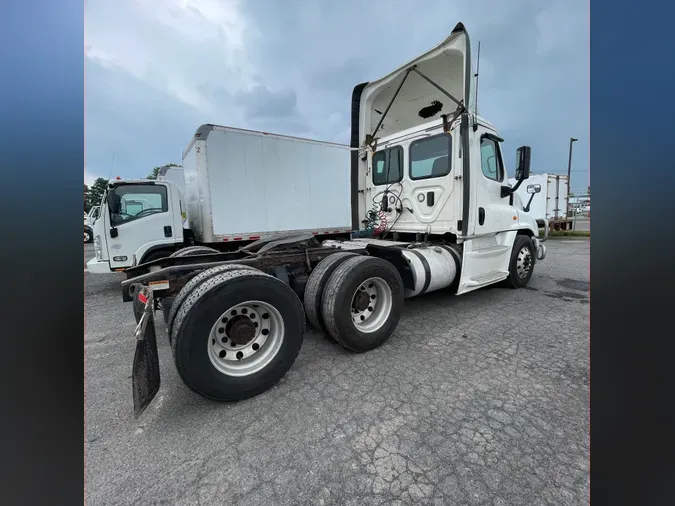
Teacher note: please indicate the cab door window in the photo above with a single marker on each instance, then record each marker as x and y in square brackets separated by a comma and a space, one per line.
[138, 201]
[388, 166]
[491, 160]
[430, 157]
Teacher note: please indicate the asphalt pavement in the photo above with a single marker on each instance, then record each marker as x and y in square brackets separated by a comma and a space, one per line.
[88, 253]
[476, 399]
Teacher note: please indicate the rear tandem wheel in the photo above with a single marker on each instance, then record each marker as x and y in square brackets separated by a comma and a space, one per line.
[362, 303]
[237, 334]
[315, 287]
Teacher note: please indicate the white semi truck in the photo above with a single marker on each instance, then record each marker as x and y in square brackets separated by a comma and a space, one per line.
[430, 206]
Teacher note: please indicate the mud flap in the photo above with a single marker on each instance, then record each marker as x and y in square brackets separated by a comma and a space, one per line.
[145, 373]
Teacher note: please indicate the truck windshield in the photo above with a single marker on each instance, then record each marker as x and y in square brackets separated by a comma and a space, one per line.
[138, 201]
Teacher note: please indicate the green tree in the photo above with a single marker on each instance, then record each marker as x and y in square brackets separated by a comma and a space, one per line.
[86, 199]
[155, 171]
[96, 191]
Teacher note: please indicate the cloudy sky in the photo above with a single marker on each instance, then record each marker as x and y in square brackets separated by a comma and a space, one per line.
[157, 69]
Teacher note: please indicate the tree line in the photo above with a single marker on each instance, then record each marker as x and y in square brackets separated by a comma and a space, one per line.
[94, 193]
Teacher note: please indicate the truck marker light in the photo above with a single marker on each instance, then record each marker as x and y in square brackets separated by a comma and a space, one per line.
[515, 218]
[142, 298]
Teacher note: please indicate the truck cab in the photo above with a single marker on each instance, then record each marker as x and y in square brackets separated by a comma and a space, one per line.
[431, 169]
[140, 220]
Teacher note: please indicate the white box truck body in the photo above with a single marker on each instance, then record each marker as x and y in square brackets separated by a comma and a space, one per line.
[241, 184]
[551, 202]
[235, 186]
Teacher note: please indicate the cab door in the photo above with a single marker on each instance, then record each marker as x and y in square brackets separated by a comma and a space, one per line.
[487, 249]
[492, 213]
[144, 219]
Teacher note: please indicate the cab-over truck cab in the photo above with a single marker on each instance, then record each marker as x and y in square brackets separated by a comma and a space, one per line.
[140, 220]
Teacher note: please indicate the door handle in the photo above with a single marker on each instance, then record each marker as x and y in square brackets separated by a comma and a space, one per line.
[430, 199]
[167, 231]
[481, 216]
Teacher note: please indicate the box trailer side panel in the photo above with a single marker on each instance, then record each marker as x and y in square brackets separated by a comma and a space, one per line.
[557, 197]
[539, 202]
[261, 183]
[563, 196]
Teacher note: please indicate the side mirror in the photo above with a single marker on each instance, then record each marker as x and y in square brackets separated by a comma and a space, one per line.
[532, 189]
[523, 154]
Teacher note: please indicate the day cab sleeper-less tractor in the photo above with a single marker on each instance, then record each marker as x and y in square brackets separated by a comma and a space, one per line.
[431, 209]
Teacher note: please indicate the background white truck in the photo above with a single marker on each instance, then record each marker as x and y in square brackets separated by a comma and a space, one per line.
[551, 203]
[430, 205]
[89, 219]
[236, 186]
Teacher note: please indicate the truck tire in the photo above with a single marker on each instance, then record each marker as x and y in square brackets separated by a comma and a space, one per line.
[315, 286]
[522, 261]
[88, 235]
[237, 334]
[362, 303]
[193, 250]
[194, 283]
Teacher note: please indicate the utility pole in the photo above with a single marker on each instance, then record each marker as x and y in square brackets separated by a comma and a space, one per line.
[569, 166]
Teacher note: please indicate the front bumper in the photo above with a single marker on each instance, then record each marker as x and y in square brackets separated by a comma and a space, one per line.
[98, 266]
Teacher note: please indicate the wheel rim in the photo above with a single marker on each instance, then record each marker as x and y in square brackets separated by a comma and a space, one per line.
[246, 338]
[86, 236]
[371, 305]
[524, 262]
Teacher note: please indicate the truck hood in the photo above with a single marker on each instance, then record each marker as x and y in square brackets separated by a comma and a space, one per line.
[448, 65]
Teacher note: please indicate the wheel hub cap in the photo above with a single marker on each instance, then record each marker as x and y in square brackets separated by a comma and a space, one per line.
[524, 262]
[240, 330]
[246, 338]
[371, 305]
[361, 300]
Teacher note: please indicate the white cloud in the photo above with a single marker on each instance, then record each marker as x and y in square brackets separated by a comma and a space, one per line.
[173, 45]
[157, 69]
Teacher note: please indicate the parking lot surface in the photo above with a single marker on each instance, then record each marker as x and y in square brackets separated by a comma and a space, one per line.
[476, 399]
